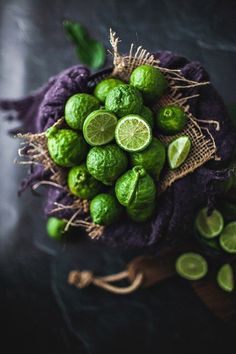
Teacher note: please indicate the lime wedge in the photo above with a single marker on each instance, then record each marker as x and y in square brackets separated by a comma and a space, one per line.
[225, 278]
[99, 127]
[191, 266]
[209, 226]
[228, 238]
[133, 133]
[178, 151]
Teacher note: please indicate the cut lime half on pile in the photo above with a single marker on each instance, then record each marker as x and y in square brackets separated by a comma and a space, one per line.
[133, 133]
[99, 127]
[178, 151]
[209, 226]
[228, 238]
[225, 278]
[191, 266]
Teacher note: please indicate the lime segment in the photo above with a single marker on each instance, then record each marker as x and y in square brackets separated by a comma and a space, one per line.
[191, 266]
[228, 238]
[99, 127]
[209, 226]
[225, 278]
[133, 133]
[178, 151]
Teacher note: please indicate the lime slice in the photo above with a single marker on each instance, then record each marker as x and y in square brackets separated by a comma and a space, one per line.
[191, 266]
[178, 151]
[225, 278]
[99, 127]
[133, 133]
[228, 238]
[209, 226]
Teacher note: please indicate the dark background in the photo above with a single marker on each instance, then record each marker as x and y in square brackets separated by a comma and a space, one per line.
[39, 312]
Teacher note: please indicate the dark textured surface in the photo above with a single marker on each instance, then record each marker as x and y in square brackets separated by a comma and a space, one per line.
[39, 312]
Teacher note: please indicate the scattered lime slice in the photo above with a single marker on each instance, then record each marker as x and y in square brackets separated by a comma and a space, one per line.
[209, 226]
[225, 278]
[178, 151]
[99, 127]
[133, 133]
[228, 238]
[191, 266]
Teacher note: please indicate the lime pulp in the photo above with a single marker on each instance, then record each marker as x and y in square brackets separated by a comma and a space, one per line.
[209, 226]
[228, 238]
[178, 151]
[225, 278]
[191, 266]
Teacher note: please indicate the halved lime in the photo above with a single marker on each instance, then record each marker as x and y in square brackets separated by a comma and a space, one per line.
[225, 278]
[209, 226]
[178, 151]
[191, 266]
[228, 238]
[133, 133]
[99, 127]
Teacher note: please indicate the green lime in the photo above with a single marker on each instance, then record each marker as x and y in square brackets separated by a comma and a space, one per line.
[106, 163]
[66, 147]
[82, 184]
[228, 238]
[209, 226]
[171, 119]
[123, 100]
[147, 114]
[191, 266]
[55, 227]
[135, 188]
[104, 209]
[225, 278]
[141, 214]
[152, 158]
[99, 127]
[178, 151]
[104, 87]
[78, 107]
[149, 80]
[133, 133]
[228, 210]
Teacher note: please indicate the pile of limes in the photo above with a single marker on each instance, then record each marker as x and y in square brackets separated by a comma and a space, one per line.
[110, 145]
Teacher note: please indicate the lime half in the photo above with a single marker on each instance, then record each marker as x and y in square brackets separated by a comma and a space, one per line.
[178, 151]
[99, 127]
[225, 278]
[228, 238]
[191, 266]
[133, 133]
[209, 226]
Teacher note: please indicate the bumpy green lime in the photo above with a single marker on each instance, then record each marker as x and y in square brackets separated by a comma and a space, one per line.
[141, 214]
[152, 158]
[82, 184]
[104, 87]
[178, 151]
[149, 80]
[225, 278]
[123, 100]
[135, 188]
[66, 147]
[55, 227]
[209, 226]
[171, 119]
[78, 107]
[147, 114]
[104, 209]
[191, 266]
[106, 163]
[228, 238]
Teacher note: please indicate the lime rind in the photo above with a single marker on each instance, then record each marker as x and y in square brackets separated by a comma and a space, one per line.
[225, 278]
[178, 151]
[209, 226]
[228, 238]
[191, 266]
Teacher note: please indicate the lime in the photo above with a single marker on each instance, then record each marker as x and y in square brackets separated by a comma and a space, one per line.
[78, 107]
[133, 133]
[104, 209]
[178, 151]
[123, 100]
[135, 188]
[55, 227]
[104, 87]
[191, 266]
[106, 163]
[228, 238]
[141, 214]
[99, 127]
[152, 158]
[66, 147]
[225, 278]
[228, 210]
[81, 183]
[209, 226]
[171, 119]
[149, 80]
[147, 114]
